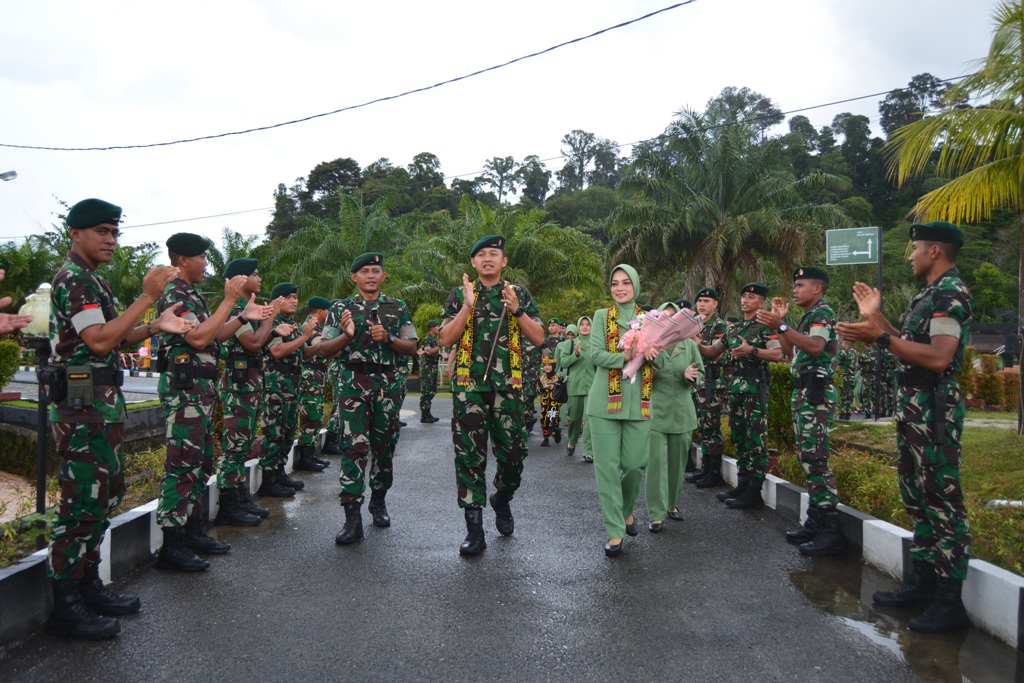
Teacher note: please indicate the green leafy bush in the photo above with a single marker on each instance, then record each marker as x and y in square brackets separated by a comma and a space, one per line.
[966, 374]
[1010, 380]
[987, 386]
[780, 410]
[10, 359]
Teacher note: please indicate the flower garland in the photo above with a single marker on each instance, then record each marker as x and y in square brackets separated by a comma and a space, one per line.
[465, 353]
[611, 336]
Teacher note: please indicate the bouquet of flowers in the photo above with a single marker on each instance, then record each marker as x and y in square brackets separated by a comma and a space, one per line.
[660, 330]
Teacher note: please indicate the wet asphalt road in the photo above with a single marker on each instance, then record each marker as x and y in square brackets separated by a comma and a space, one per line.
[711, 599]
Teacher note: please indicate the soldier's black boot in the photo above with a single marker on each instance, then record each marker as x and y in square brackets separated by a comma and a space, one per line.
[199, 542]
[750, 498]
[475, 541]
[231, 512]
[71, 618]
[807, 532]
[246, 502]
[705, 467]
[353, 528]
[918, 590]
[332, 444]
[431, 416]
[379, 510]
[830, 540]
[175, 556]
[305, 461]
[742, 479]
[270, 486]
[426, 417]
[713, 478]
[104, 601]
[285, 480]
[558, 435]
[503, 519]
[946, 613]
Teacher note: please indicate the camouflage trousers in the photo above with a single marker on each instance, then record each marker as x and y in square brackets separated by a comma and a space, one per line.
[550, 414]
[709, 416]
[867, 394]
[189, 461]
[428, 385]
[280, 420]
[241, 416]
[576, 420]
[846, 394]
[810, 426]
[529, 401]
[371, 418]
[748, 426]
[311, 408]
[478, 416]
[91, 480]
[929, 479]
[336, 425]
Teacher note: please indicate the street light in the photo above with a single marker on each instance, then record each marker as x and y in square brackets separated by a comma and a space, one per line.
[8, 175]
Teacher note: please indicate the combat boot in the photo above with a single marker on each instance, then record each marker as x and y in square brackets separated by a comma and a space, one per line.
[285, 480]
[426, 417]
[946, 613]
[71, 618]
[198, 541]
[750, 498]
[811, 526]
[353, 528]
[432, 417]
[475, 542]
[305, 461]
[270, 486]
[231, 512]
[919, 589]
[104, 601]
[697, 475]
[742, 479]
[379, 510]
[830, 540]
[713, 478]
[246, 502]
[332, 444]
[175, 555]
[503, 519]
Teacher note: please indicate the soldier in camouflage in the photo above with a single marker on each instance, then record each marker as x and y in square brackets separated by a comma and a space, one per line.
[311, 390]
[532, 356]
[711, 395]
[87, 412]
[847, 361]
[929, 422]
[868, 362]
[812, 346]
[374, 334]
[890, 366]
[187, 387]
[751, 346]
[335, 442]
[429, 353]
[487, 323]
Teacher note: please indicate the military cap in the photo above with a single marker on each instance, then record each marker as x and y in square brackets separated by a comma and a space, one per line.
[188, 244]
[810, 273]
[284, 289]
[318, 302]
[683, 303]
[370, 258]
[433, 323]
[90, 212]
[709, 292]
[495, 241]
[241, 266]
[758, 288]
[937, 231]
[554, 320]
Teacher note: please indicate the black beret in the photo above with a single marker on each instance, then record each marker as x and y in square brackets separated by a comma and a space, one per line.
[318, 302]
[810, 273]
[683, 303]
[283, 289]
[90, 212]
[758, 288]
[241, 266]
[937, 231]
[370, 258]
[188, 244]
[709, 292]
[495, 241]
[432, 323]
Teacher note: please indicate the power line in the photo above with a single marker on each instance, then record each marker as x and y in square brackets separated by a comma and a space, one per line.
[364, 104]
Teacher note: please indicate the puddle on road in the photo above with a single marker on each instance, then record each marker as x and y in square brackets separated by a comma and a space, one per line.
[843, 588]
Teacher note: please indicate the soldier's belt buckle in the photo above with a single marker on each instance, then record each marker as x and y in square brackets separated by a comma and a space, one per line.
[182, 359]
[241, 365]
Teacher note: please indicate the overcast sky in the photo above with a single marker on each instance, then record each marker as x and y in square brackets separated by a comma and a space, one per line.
[98, 74]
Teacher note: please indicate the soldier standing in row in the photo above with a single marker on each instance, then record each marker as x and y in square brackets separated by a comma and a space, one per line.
[487, 322]
[868, 362]
[812, 346]
[847, 361]
[373, 333]
[711, 397]
[532, 356]
[429, 353]
[87, 412]
[311, 397]
[929, 422]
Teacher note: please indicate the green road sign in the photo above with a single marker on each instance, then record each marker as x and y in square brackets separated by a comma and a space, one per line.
[852, 246]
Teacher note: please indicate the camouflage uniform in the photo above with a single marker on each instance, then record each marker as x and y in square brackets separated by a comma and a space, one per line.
[490, 406]
[890, 364]
[188, 404]
[711, 392]
[335, 424]
[847, 360]
[748, 397]
[868, 362]
[88, 440]
[368, 393]
[311, 400]
[241, 387]
[532, 356]
[428, 372]
[281, 392]
[929, 439]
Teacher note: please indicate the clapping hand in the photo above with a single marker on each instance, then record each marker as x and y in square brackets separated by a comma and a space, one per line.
[254, 311]
[284, 329]
[468, 296]
[8, 321]
[348, 326]
[691, 372]
[776, 316]
[869, 299]
[170, 322]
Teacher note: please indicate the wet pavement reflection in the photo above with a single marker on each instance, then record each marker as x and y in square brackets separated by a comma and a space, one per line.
[843, 588]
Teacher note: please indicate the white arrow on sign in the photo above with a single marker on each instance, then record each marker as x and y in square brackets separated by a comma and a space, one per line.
[864, 253]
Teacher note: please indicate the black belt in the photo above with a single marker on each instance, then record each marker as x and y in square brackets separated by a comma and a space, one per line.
[370, 368]
[252, 362]
[107, 376]
[805, 381]
[917, 378]
[750, 373]
[284, 368]
[198, 371]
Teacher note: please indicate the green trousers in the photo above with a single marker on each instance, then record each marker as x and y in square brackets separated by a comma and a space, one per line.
[578, 423]
[665, 470]
[620, 454]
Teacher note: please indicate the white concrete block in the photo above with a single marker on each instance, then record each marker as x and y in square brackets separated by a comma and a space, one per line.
[883, 546]
[105, 558]
[729, 471]
[992, 596]
[768, 492]
[156, 537]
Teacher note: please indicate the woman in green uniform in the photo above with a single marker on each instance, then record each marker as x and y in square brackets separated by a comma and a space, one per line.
[579, 370]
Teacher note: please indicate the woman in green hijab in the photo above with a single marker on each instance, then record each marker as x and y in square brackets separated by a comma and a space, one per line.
[579, 371]
[618, 410]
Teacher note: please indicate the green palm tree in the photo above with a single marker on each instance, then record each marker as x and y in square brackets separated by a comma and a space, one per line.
[126, 270]
[981, 148]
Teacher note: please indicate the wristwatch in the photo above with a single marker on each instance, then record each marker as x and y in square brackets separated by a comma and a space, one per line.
[518, 312]
[883, 341]
[390, 339]
[782, 328]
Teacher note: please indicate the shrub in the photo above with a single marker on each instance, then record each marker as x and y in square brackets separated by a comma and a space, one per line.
[986, 383]
[1010, 380]
[966, 374]
[10, 359]
[780, 411]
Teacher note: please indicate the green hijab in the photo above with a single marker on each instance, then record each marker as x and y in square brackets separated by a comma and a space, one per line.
[573, 330]
[579, 324]
[627, 311]
[667, 304]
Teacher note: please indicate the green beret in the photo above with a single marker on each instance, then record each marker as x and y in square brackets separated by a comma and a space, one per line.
[810, 273]
[370, 258]
[432, 323]
[241, 266]
[495, 241]
[318, 303]
[709, 292]
[554, 320]
[283, 289]
[188, 244]
[683, 303]
[90, 212]
[758, 288]
[937, 231]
